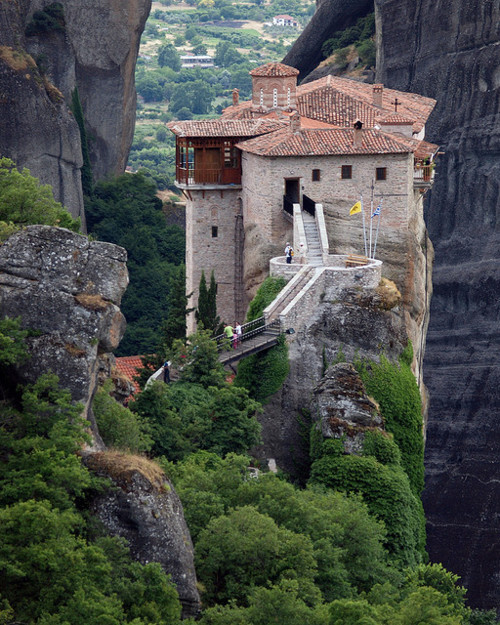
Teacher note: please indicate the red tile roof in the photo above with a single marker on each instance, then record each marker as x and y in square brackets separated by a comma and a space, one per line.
[334, 107]
[274, 69]
[324, 142]
[224, 127]
[411, 105]
[395, 119]
[340, 101]
[128, 367]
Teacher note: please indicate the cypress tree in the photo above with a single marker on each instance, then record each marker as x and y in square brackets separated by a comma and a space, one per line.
[207, 304]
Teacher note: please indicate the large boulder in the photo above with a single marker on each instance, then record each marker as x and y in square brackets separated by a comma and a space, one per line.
[145, 510]
[67, 290]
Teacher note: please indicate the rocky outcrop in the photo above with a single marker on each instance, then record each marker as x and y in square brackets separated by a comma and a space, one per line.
[347, 324]
[450, 51]
[145, 510]
[67, 290]
[342, 408]
[330, 16]
[94, 48]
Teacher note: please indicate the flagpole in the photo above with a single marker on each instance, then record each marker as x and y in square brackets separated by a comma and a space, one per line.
[371, 220]
[378, 226]
[364, 228]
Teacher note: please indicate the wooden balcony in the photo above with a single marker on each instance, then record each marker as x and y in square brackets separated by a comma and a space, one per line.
[423, 176]
[192, 176]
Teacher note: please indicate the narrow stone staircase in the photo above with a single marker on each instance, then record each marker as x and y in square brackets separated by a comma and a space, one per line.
[314, 255]
[289, 293]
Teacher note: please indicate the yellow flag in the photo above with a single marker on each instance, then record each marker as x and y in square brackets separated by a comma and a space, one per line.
[355, 209]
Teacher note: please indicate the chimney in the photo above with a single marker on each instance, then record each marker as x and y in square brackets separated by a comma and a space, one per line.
[378, 91]
[295, 122]
[358, 134]
[236, 96]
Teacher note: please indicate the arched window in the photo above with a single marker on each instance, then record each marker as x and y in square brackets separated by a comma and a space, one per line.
[288, 97]
[261, 97]
[275, 98]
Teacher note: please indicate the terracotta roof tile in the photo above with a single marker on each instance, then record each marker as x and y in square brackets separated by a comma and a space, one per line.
[334, 107]
[224, 127]
[395, 119]
[128, 367]
[274, 69]
[411, 105]
[323, 142]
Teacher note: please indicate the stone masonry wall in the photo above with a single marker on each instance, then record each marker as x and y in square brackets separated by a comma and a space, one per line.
[263, 188]
[217, 209]
[268, 85]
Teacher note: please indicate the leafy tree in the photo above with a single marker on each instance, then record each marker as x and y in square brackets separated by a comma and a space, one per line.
[127, 212]
[185, 417]
[12, 347]
[394, 387]
[226, 54]
[169, 57]
[149, 88]
[199, 360]
[386, 491]
[196, 96]
[24, 201]
[119, 427]
[246, 549]
[200, 49]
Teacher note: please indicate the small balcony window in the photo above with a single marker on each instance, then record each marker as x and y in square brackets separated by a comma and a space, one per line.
[346, 172]
[381, 173]
[215, 232]
[316, 175]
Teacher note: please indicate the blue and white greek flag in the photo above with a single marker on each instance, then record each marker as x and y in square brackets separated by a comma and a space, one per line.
[377, 210]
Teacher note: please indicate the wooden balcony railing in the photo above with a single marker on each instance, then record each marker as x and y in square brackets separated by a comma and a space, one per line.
[423, 174]
[192, 176]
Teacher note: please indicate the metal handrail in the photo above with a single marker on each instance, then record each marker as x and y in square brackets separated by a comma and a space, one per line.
[308, 205]
[249, 331]
[287, 205]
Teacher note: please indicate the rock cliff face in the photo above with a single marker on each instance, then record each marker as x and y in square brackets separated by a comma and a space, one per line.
[354, 322]
[450, 51]
[68, 290]
[94, 49]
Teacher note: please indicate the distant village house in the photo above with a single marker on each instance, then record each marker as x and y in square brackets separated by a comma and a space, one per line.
[285, 20]
[191, 60]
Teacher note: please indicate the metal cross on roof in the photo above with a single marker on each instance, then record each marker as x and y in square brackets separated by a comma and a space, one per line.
[396, 103]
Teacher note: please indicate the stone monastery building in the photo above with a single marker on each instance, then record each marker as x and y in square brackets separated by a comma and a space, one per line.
[313, 150]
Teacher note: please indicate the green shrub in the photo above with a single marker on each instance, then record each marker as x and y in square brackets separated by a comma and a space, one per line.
[386, 491]
[382, 448]
[394, 387]
[119, 427]
[51, 18]
[267, 292]
[263, 374]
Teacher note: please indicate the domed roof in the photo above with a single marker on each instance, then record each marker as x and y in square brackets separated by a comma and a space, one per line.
[274, 69]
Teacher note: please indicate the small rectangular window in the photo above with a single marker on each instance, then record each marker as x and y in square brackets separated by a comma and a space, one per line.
[215, 232]
[381, 173]
[316, 175]
[346, 172]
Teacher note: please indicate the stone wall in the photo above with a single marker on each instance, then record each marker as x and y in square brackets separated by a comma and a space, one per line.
[205, 252]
